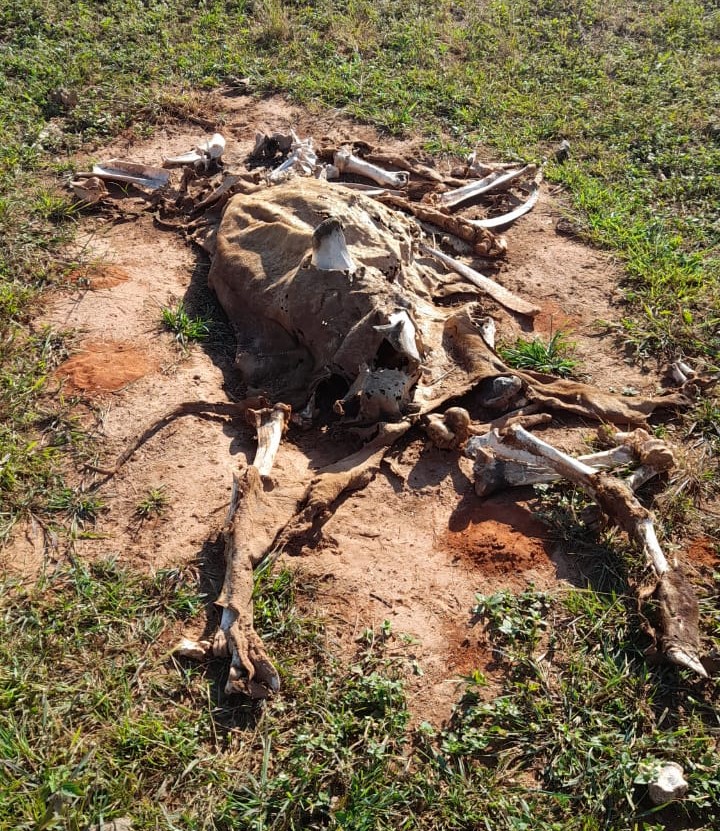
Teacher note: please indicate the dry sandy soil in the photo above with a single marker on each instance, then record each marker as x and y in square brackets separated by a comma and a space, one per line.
[416, 545]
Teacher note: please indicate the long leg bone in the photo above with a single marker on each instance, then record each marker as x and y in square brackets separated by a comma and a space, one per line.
[677, 602]
[118, 170]
[251, 671]
[495, 290]
[345, 162]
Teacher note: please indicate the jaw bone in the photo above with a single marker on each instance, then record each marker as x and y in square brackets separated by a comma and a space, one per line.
[330, 252]
[206, 152]
[345, 162]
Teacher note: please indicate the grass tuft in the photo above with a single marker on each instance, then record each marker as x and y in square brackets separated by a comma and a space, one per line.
[552, 357]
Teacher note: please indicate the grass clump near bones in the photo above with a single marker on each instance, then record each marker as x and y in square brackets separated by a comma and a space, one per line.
[552, 357]
[98, 722]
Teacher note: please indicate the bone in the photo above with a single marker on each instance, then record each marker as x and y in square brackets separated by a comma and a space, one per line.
[487, 331]
[494, 181]
[347, 163]
[203, 153]
[302, 160]
[135, 173]
[402, 335]
[495, 290]
[89, 191]
[330, 251]
[677, 602]
[270, 430]
[267, 147]
[448, 430]
[510, 217]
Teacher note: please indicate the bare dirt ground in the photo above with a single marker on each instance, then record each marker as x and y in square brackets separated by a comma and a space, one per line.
[415, 546]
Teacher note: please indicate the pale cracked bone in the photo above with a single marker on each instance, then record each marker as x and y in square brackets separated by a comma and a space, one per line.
[490, 287]
[488, 331]
[345, 162]
[494, 181]
[677, 602]
[330, 251]
[668, 785]
[270, 430]
[448, 430]
[205, 152]
[402, 335]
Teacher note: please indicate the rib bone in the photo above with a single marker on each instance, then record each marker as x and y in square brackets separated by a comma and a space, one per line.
[494, 181]
[495, 290]
[511, 216]
[345, 162]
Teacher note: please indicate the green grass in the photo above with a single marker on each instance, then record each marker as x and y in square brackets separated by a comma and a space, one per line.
[185, 328]
[552, 357]
[97, 720]
[153, 504]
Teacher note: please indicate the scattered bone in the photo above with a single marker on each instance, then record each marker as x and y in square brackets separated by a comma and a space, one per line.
[490, 287]
[302, 160]
[204, 153]
[511, 216]
[488, 331]
[193, 650]
[668, 785]
[268, 147]
[411, 166]
[330, 252]
[402, 334]
[89, 191]
[678, 605]
[494, 181]
[134, 173]
[562, 152]
[270, 430]
[345, 162]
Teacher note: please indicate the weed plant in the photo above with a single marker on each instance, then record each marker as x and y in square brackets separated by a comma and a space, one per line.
[552, 358]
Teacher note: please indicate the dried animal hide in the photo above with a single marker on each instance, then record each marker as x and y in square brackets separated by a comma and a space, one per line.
[363, 337]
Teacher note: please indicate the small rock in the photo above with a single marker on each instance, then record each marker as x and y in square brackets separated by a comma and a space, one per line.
[668, 785]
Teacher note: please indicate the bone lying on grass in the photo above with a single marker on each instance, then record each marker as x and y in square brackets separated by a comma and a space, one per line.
[345, 162]
[495, 290]
[677, 603]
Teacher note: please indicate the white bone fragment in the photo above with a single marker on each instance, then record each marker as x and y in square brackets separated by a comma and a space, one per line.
[511, 216]
[495, 290]
[401, 333]
[331, 172]
[194, 650]
[224, 187]
[686, 370]
[668, 785]
[678, 375]
[205, 152]
[493, 181]
[345, 162]
[269, 434]
[330, 251]
[135, 173]
[302, 160]
[487, 331]
[89, 191]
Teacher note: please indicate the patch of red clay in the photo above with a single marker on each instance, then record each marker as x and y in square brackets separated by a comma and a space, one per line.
[703, 552]
[105, 367]
[553, 318]
[499, 536]
[465, 652]
[97, 277]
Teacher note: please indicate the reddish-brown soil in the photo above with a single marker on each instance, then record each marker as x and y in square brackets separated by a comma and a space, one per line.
[105, 367]
[414, 546]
